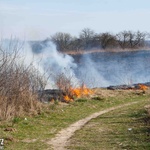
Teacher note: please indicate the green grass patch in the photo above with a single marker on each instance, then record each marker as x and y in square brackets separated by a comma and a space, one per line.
[126, 128]
[33, 132]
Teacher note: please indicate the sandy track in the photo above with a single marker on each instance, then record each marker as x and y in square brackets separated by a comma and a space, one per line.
[60, 141]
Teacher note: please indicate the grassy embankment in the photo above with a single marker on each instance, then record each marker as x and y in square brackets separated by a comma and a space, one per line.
[33, 132]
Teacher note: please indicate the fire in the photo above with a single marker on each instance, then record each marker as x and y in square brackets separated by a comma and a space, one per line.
[67, 98]
[77, 93]
[143, 87]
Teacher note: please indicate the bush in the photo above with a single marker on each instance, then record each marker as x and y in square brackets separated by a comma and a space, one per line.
[19, 85]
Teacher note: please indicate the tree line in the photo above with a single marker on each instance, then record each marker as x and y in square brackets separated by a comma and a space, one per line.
[88, 39]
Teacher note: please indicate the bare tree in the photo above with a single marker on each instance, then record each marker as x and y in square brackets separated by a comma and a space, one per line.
[86, 37]
[123, 38]
[139, 39]
[107, 40]
[63, 41]
[129, 39]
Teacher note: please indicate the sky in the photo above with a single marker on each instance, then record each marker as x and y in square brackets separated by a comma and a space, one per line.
[39, 19]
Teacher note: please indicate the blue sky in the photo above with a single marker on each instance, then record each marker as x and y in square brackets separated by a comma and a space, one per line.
[38, 19]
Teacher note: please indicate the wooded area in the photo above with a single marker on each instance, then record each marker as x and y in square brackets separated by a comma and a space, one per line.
[88, 40]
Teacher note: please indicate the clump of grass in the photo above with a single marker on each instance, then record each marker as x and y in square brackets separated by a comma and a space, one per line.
[98, 98]
[23, 103]
[19, 84]
[15, 120]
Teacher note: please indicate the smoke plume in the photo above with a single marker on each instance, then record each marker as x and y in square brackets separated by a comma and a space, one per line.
[93, 69]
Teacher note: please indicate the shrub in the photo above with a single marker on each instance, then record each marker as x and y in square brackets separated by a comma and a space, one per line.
[19, 85]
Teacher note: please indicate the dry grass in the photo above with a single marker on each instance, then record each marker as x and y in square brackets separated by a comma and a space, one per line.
[19, 85]
[105, 93]
[147, 107]
[25, 104]
[102, 50]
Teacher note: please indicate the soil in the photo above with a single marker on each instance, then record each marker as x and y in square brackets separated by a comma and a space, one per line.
[61, 140]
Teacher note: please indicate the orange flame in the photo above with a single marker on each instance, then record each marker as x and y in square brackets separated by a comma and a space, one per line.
[67, 98]
[77, 93]
[143, 87]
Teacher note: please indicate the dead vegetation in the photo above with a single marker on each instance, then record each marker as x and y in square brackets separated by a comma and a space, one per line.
[147, 107]
[106, 93]
[71, 91]
[19, 84]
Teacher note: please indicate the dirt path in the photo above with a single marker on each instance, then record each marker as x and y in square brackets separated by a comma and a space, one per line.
[62, 138]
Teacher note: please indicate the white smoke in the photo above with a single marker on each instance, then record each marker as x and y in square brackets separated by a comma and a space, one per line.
[49, 62]
[52, 63]
[57, 63]
[105, 68]
[94, 70]
[89, 73]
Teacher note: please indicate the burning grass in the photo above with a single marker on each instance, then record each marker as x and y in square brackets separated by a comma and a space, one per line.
[70, 91]
[77, 93]
[143, 87]
[83, 91]
[139, 86]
